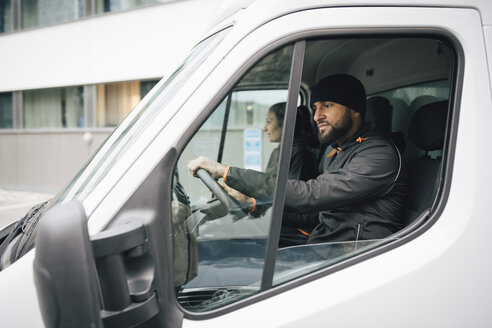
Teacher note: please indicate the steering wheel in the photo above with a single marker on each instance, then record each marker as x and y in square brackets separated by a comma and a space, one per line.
[227, 200]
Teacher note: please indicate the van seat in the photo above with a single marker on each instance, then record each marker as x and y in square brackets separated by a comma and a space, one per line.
[426, 131]
[380, 111]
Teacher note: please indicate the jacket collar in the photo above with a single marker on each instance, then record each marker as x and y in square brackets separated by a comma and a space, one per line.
[366, 131]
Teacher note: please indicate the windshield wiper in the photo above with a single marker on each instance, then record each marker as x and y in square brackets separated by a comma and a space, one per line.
[26, 225]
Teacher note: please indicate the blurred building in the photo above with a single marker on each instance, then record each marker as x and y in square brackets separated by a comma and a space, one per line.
[71, 70]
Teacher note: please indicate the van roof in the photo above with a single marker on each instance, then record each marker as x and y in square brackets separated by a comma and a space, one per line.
[260, 11]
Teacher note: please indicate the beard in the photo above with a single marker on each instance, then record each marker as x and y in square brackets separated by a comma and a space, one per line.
[337, 129]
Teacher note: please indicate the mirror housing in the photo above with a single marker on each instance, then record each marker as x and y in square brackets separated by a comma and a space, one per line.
[120, 277]
[64, 273]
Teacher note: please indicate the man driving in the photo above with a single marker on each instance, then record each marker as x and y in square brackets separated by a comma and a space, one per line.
[359, 192]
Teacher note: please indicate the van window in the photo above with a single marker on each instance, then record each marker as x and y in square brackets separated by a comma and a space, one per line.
[222, 249]
[219, 242]
[406, 100]
[411, 113]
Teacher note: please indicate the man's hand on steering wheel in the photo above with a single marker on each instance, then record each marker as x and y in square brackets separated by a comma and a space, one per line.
[209, 172]
[215, 169]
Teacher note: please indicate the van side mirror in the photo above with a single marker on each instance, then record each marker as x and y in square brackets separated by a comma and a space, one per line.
[103, 281]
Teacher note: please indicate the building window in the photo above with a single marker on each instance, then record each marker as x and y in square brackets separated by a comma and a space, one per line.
[146, 86]
[6, 121]
[54, 108]
[46, 12]
[103, 6]
[116, 100]
[33, 13]
[5, 17]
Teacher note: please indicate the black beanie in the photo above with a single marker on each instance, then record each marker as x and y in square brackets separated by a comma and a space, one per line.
[342, 89]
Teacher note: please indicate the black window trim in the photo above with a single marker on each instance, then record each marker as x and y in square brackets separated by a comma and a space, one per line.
[430, 217]
[283, 167]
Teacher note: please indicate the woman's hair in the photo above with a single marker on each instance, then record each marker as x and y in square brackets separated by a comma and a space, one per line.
[304, 123]
[278, 110]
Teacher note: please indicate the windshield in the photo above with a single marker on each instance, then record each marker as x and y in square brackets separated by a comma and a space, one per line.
[135, 124]
[21, 238]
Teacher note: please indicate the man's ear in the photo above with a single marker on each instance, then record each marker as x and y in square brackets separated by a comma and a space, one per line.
[354, 113]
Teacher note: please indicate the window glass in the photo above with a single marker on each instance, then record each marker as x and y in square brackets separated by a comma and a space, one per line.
[248, 111]
[46, 12]
[6, 121]
[347, 210]
[117, 5]
[219, 240]
[116, 100]
[5, 17]
[124, 136]
[54, 108]
[94, 171]
[405, 102]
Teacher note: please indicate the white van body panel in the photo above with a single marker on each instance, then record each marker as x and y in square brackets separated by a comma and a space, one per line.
[21, 308]
[437, 279]
[488, 42]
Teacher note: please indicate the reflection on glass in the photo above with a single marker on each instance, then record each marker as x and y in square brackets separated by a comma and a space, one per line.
[297, 261]
[6, 121]
[46, 12]
[54, 108]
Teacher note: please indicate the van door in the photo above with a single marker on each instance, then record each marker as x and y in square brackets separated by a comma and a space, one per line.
[366, 279]
[218, 263]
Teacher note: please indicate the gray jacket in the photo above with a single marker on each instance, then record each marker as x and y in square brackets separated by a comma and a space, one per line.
[358, 196]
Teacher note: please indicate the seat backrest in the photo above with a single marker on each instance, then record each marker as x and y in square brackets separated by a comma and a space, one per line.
[426, 131]
[303, 163]
[380, 111]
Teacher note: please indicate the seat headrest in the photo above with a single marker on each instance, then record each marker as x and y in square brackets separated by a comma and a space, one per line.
[428, 125]
[379, 110]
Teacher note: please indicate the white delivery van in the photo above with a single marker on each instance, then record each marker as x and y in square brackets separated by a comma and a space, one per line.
[136, 241]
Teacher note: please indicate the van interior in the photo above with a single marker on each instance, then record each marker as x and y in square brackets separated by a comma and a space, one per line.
[408, 81]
